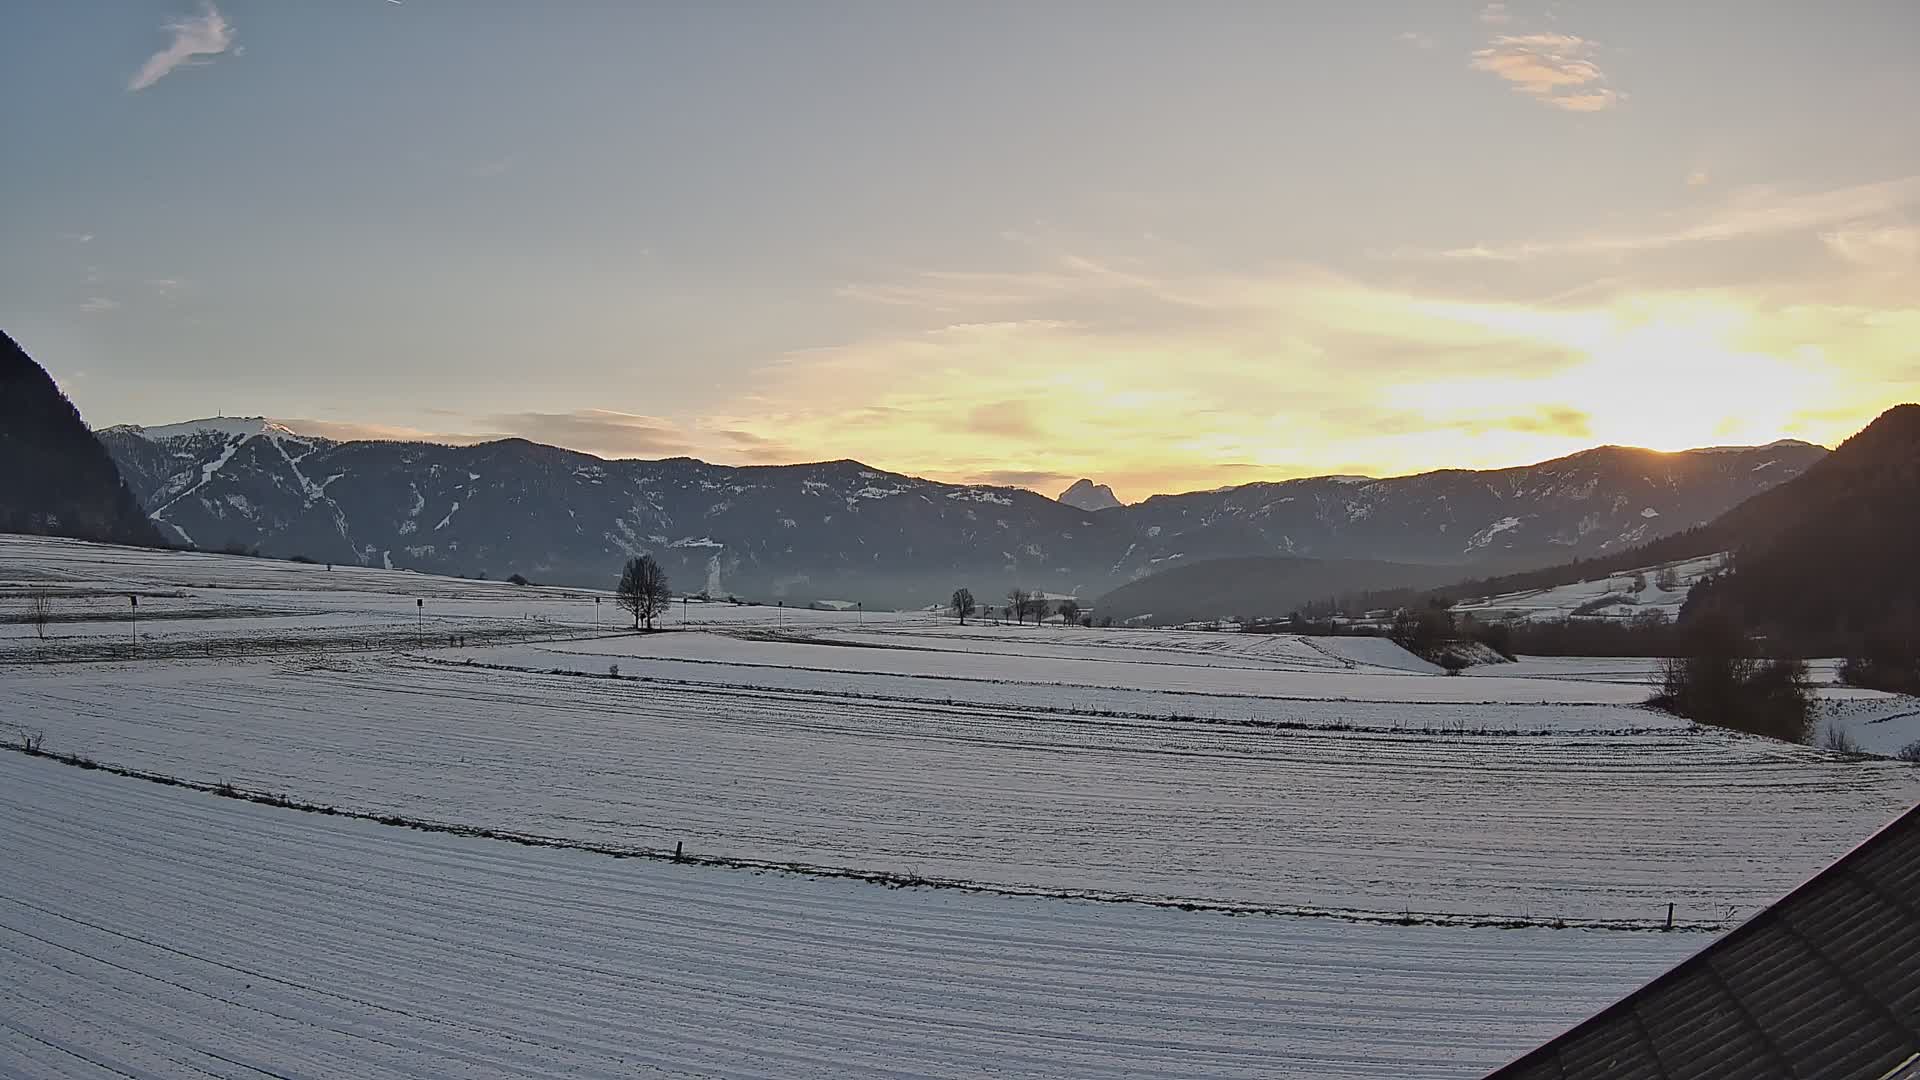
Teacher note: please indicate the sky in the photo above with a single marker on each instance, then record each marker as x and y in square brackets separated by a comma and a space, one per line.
[1164, 246]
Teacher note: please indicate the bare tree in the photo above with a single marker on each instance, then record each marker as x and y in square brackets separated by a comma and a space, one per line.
[962, 604]
[1069, 611]
[1017, 603]
[1037, 605]
[643, 590]
[39, 613]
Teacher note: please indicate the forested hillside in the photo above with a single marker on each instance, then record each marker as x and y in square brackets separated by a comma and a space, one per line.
[55, 477]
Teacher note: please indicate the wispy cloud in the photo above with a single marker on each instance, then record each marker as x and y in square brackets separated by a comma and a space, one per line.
[954, 290]
[350, 431]
[1175, 376]
[1495, 14]
[1152, 373]
[99, 303]
[601, 431]
[1160, 371]
[1876, 246]
[77, 237]
[1752, 212]
[1009, 418]
[1553, 69]
[1415, 38]
[205, 34]
[1040, 480]
[1699, 178]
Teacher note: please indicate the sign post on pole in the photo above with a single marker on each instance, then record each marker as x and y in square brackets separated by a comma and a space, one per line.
[133, 605]
[420, 614]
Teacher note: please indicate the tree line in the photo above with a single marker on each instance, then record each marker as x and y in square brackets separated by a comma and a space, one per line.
[1021, 604]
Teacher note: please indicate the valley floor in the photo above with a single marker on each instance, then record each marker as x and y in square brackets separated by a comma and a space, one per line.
[1032, 851]
[154, 931]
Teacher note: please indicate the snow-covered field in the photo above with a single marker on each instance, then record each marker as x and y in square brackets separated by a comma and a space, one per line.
[1541, 826]
[149, 931]
[1025, 656]
[1631, 592]
[1875, 722]
[199, 604]
[1063, 792]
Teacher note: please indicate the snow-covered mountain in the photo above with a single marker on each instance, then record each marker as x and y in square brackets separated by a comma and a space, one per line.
[841, 529]
[1087, 495]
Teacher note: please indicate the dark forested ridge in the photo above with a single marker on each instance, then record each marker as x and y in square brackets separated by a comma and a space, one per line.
[55, 477]
[1824, 564]
[1830, 561]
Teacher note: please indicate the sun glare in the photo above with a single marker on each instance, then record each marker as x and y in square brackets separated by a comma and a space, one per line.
[1671, 385]
[1654, 373]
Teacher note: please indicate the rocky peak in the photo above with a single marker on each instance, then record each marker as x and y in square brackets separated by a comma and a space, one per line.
[1087, 495]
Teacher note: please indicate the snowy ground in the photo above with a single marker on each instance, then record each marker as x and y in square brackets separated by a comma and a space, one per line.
[1876, 722]
[1028, 656]
[1633, 591]
[200, 605]
[150, 931]
[1301, 782]
[1541, 826]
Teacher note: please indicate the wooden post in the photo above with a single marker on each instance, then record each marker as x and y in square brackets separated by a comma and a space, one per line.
[133, 605]
[676, 850]
[1669, 917]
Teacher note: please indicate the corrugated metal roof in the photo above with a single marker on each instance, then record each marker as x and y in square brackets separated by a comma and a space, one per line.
[1824, 984]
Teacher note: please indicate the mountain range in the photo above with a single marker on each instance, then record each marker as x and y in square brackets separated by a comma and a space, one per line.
[844, 530]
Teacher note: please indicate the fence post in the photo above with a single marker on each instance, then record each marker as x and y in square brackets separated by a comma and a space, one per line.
[1669, 925]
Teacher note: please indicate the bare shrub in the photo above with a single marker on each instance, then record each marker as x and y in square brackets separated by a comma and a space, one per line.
[1719, 681]
[1423, 631]
[1839, 740]
[1909, 752]
[1885, 667]
[39, 614]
